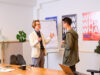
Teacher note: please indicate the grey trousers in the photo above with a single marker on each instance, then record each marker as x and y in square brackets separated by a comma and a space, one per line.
[39, 62]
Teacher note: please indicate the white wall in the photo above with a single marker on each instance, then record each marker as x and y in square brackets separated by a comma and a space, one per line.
[65, 7]
[58, 8]
[15, 16]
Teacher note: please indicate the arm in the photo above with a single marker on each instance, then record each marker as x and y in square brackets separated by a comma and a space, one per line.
[63, 43]
[32, 41]
[47, 40]
[69, 41]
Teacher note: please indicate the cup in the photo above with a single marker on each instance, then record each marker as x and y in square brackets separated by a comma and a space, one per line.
[23, 67]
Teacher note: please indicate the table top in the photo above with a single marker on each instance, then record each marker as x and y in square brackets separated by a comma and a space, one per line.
[30, 71]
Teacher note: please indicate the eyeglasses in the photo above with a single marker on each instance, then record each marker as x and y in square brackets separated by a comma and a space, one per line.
[38, 24]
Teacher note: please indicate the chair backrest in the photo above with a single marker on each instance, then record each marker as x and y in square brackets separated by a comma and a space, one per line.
[66, 69]
[20, 60]
[13, 60]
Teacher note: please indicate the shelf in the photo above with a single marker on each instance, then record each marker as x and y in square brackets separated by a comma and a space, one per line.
[13, 41]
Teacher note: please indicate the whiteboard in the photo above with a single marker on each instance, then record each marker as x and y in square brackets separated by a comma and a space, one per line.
[48, 27]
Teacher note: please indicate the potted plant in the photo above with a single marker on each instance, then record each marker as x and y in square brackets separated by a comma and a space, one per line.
[97, 50]
[21, 36]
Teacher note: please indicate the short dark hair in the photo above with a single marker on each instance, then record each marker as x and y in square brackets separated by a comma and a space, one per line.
[67, 20]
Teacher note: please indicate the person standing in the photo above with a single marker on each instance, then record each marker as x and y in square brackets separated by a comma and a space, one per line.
[71, 55]
[38, 44]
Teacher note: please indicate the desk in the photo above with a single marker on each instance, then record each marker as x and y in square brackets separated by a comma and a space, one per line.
[31, 71]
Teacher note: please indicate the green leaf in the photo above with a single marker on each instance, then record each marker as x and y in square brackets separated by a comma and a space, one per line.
[18, 36]
[21, 36]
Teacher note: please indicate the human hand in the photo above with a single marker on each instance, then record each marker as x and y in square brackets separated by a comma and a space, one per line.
[62, 42]
[39, 39]
[51, 35]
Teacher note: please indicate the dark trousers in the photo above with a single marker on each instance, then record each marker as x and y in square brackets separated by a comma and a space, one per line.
[39, 62]
[73, 68]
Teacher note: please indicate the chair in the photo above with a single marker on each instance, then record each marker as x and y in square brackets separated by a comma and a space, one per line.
[13, 60]
[20, 60]
[66, 69]
[93, 71]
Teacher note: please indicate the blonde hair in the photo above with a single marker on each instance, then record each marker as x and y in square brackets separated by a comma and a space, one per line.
[34, 23]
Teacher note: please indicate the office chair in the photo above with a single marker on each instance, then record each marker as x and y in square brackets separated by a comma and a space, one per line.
[93, 71]
[68, 71]
[13, 60]
[20, 60]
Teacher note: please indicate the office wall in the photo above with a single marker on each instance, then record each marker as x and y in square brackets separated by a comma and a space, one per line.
[15, 17]
[64, 7]
[88, 59]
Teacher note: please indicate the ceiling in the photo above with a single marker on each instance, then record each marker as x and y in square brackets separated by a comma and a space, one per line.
[21, 2]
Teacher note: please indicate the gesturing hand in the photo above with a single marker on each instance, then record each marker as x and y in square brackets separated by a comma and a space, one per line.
[39, 39]
[51, 35]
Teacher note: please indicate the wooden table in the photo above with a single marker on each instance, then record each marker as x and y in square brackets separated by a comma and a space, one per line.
[31, 71]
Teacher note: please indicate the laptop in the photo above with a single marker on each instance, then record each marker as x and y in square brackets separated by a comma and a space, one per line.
[66, 69]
